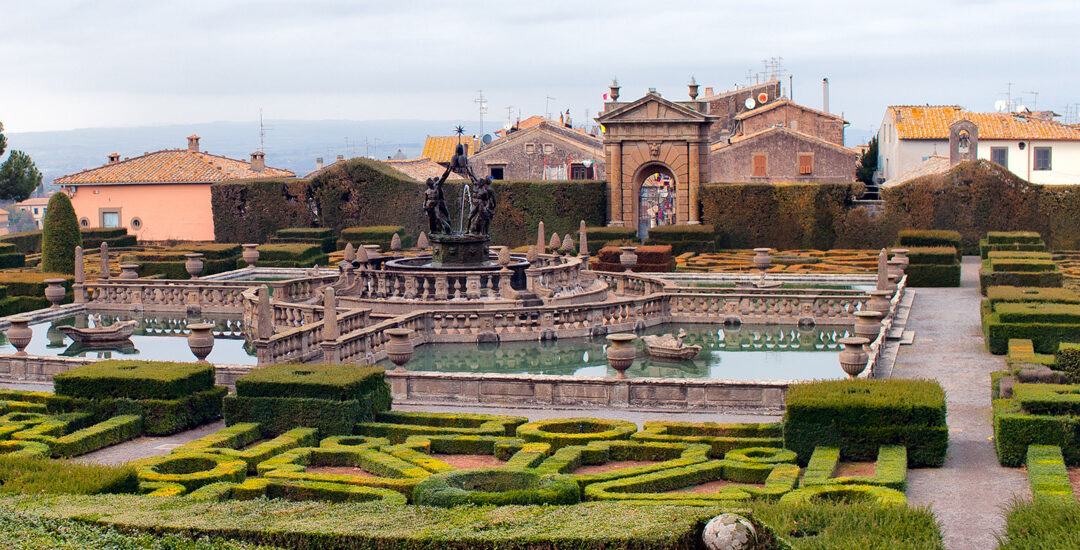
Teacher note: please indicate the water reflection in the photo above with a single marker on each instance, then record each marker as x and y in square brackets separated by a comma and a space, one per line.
[156, 337]
[749, 352]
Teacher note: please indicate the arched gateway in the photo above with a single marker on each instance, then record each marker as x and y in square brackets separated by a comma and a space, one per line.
[653, 136]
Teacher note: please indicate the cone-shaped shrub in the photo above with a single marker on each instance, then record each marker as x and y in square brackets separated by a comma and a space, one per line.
[60, 235]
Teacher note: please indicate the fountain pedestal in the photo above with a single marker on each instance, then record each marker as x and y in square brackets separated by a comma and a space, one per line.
[459, 250]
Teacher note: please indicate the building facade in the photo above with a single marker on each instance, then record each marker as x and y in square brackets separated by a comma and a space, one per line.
[545, 150]
[35, 208]
[779, 154]
[1035, 148]
[160, 196]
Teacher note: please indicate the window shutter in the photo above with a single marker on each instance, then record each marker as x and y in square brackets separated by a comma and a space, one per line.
[806, 164]
[759, 166]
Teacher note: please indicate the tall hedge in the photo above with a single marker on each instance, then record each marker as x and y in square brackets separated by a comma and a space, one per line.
[363, 192]
[784, 216]
[60, 235]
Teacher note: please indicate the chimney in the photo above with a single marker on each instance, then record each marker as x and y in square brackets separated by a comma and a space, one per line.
[318, 163]
[258, 161]
[708, 91]
[340, 158]
[825, 94]
[193, 143]
[114, 158]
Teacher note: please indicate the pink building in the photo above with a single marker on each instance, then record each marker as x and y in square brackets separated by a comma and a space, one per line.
[159, 196]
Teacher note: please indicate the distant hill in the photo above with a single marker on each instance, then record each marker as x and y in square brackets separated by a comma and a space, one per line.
[290, 144]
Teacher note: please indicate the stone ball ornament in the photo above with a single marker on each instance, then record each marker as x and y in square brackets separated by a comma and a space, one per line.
[729, 532]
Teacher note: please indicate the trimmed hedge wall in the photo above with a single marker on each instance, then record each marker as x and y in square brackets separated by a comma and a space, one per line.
[116, 237]
[27, 242]
[721, 437]
[859, 416]
[685, 238]
[399, 426]
[495, 486]
[1047, 475]
[134, 380]
[381, 235]
[929, 238]
[890, 470]
[563, 432]
[367, 192]
[783, 216]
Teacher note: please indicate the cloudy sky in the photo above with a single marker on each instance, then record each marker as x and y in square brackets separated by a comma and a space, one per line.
[75, 64]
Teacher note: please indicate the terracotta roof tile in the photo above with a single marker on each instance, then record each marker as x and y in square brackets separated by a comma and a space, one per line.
[932, 122]
[171, 166]
[441, 148]
[420, 169]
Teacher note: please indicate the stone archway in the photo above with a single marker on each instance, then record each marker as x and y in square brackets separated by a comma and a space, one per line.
[650, 132]
[656, 189]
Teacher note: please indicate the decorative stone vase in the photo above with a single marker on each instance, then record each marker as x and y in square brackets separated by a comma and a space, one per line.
[868, 324]
[880, 300]
[251, 254]
[628, 258]
[762, 260]
[853, 359]
[896, 272]
[399, 349]
[20, 333]
[129, 271]
[55, 292]
[201, 340]
[621, 352]
[900, 256]
[194, 264]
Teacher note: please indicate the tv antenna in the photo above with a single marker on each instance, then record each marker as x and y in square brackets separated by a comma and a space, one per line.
[262, 132]
[1034, 100]
[1008, 96]
[481, 101]
[547, 106]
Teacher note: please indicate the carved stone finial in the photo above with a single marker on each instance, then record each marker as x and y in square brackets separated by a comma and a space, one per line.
[350, 252]
[395, 243]
[555, 242]
[422, 241]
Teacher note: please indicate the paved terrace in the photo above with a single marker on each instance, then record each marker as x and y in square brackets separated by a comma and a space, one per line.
[969, 493]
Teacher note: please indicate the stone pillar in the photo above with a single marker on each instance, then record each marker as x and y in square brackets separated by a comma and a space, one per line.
[583, 245]
[883, 270]
[694, 165]
[104, 274]
[79, 287]
[615, 193]
[264, 315]
[330, 347]
[540, 242]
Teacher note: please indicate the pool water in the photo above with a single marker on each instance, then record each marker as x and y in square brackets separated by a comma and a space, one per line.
[155, 339]
[749, 352]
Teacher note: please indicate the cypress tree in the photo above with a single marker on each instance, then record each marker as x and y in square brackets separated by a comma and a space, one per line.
[59, 235]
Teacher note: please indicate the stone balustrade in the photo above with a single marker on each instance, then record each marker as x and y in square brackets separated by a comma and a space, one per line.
[766, 307]
[299, 289]
[166, 295]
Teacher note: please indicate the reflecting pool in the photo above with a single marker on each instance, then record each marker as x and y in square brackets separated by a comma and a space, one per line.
[747, 352]
[156, 338]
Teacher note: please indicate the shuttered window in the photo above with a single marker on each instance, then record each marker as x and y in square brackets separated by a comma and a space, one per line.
[806, 164]
[760, 166]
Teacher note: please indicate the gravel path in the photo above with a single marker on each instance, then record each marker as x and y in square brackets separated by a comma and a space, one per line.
[967, 494]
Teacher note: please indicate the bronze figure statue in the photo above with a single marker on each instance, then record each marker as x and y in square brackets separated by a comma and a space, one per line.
[435, 206]
[482, 197]
[483, 207]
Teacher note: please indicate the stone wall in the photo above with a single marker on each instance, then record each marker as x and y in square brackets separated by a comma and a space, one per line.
[781, 147]
[815, 123]
[524, 154]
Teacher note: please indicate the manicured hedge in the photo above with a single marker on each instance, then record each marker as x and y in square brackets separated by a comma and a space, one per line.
[721, 437]
[666, 455]
[890, 470]
[999, 294]
[1048, 399]
[986, 249]
[919, 238]
[398, 426]
[315, 381]
[1015, 430]
[29, 475]
[234, 442]
[291, 255]
[98, 436]
[495, 486]
[1067, 360]
[784, 216]
[313, 235]
[311, 490]
[367, 192]
[935, 265]
[32, 283]
[116, 237]
[27, 242]
[563, 432]
[600, 237]
[60, 235]
[191, 470]
[160, 416]
[1041, 524]
[938, 255]
[685, 238]
[655, 487]
[280, 414]
[383, 470]
[1047, 474]
[859, 416]
[1013, 237]
[1045, 336]
[134, 380]
[931, 276]
[882, 496]
[377, 234]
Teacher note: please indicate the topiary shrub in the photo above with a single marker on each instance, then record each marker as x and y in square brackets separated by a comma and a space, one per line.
[191, 470]
[60, 235]
[845, 494]
[495, 486]
[562, 432]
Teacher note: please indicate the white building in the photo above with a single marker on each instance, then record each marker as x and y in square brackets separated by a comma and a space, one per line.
[1040, 150]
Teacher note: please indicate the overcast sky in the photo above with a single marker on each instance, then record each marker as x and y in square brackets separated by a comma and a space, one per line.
[69, 64]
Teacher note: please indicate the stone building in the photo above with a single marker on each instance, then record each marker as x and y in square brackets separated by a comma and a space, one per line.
[542, 150]
[779, 154]
[788, 114]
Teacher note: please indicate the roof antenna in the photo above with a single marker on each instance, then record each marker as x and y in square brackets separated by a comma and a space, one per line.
[547, 106]
[262, 133]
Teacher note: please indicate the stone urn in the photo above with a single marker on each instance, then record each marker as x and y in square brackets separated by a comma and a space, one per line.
[762, 260]
[621, 352]
[55, 292]
[194, 264]
[251, 254]
[201, 340]
[628, 258]
[729, 532]
[129, 271]
[900, 256]
[896, 272]
[868, 323]
[399, 348]
[20, 333]
[880, 300]
[853, 359]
